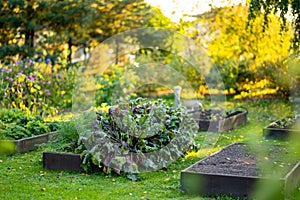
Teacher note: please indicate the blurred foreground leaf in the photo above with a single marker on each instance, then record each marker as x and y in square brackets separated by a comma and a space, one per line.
[6, 147]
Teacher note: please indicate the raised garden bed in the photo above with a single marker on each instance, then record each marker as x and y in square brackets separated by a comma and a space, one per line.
[27, 144]
[219, 123]
[26, 131]
[281, 129]
[234, 171]
[65, 161]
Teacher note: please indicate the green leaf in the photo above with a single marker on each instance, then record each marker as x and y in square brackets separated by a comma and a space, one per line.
[7, 147]
[133, 177]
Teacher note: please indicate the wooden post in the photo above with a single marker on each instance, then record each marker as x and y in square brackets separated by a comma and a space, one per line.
[177, 90]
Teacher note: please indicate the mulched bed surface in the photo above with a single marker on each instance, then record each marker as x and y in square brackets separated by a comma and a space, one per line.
[238, 160]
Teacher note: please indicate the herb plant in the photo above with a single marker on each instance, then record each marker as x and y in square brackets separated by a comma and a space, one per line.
[67, 138]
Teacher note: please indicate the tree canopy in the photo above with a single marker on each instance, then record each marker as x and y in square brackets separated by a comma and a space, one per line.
[53, 28]
[284, 8]
[246, 58]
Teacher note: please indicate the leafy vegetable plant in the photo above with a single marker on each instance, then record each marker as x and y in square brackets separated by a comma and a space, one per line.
[140, 135]
[284, 123]
[217, 113]
[16, 124]
[11, 115]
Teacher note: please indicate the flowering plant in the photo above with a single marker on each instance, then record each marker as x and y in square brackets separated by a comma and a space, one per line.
[36, 86]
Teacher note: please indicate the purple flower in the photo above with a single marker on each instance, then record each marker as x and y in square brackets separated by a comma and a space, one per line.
[9, 70]
[48, 93]
[31, 78]
[20, 73]
[25, 66]
[30, 61]
[19, 62]
[11, 79]
[39, 60]
[49, 82]
[7, 78]
[47, 60]
[43, 82]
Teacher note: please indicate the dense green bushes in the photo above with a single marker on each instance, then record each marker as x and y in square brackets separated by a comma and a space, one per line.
[16, 124]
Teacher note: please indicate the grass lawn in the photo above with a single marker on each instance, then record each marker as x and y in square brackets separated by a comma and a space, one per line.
[22, 175]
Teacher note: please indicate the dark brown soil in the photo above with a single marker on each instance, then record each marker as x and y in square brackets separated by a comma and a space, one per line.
[238, 160]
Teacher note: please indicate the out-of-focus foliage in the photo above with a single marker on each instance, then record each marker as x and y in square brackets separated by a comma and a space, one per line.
[112, 86]
[249, 60]
[285, 8]
[6, 147]
[57, 28]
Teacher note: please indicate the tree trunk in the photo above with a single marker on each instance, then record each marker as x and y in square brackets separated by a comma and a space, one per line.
[70, 50]
[117, 52]
[29, 42]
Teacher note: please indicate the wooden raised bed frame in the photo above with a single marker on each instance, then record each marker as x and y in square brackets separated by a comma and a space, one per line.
[65, 161]
[278, 133]
[27, 144]
[235, 119]
[212, 184]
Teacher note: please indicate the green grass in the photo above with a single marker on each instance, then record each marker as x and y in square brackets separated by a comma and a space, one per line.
[22, 175]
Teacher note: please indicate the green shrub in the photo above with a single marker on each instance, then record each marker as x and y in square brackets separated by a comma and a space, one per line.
[67, 137]
[113, 85]
[67, 131]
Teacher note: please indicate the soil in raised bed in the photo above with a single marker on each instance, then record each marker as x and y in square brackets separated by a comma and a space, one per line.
[238, 160]
[213, 114]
